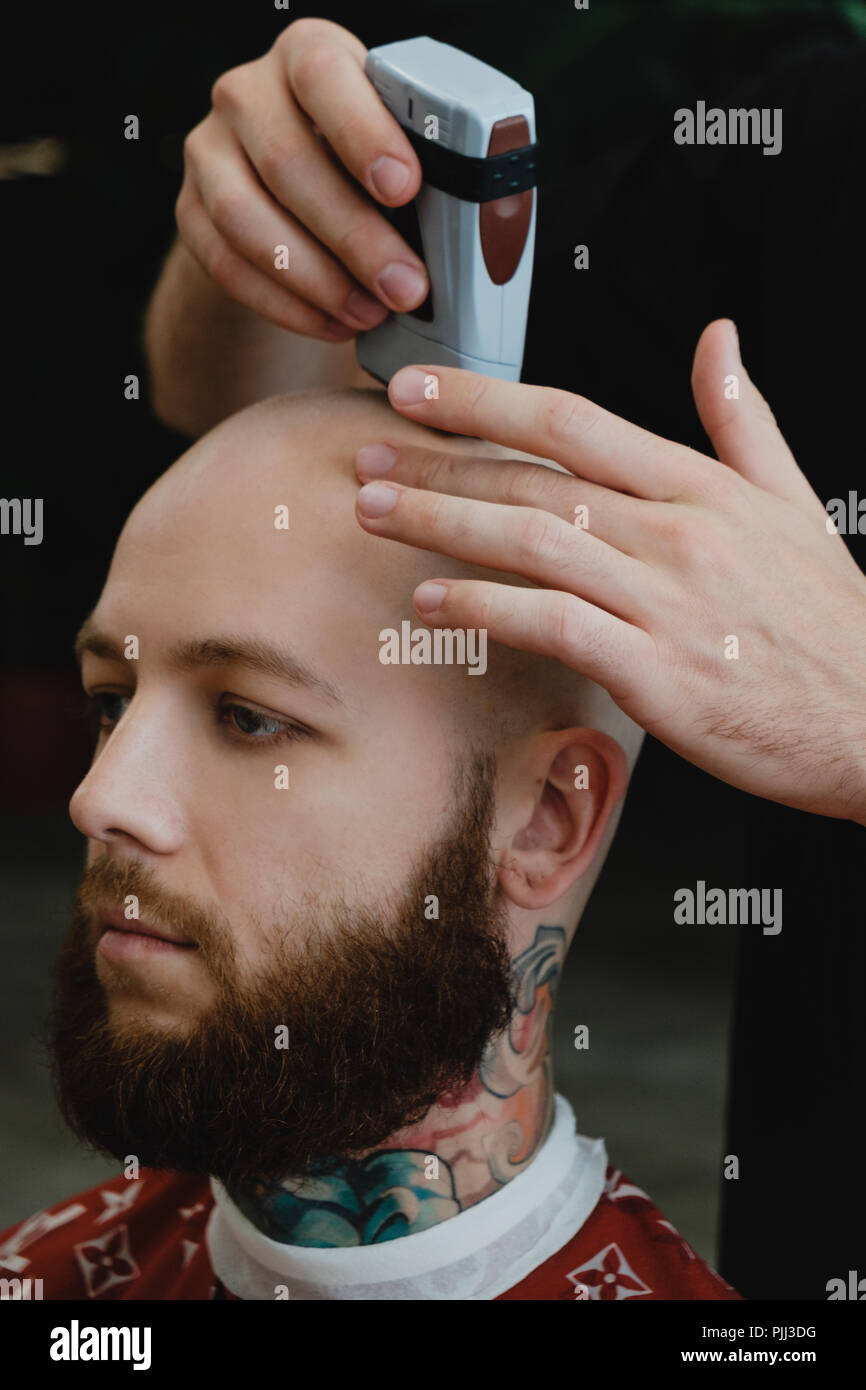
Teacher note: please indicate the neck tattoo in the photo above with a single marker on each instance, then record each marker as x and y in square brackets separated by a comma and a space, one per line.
[466, 1147]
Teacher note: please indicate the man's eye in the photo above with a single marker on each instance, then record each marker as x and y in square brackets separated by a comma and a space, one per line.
[103, 710]
[245, 725]
[255, 727]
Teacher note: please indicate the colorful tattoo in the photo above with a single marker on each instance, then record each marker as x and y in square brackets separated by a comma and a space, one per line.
[467, 1147]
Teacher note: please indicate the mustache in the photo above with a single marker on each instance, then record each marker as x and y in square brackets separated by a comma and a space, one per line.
[110, 883]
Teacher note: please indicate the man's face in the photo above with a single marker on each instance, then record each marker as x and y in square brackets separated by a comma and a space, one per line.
[311, 1002]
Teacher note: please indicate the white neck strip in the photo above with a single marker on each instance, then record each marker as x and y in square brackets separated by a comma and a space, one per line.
[477, 1254]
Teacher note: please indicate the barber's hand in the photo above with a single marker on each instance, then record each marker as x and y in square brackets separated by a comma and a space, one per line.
[708, 598]
[283, 159]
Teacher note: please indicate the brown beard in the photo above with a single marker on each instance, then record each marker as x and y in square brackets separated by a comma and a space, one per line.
[387, 1013]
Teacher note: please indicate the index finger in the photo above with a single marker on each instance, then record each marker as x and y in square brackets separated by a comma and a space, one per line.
[325, 66]
[553, 424]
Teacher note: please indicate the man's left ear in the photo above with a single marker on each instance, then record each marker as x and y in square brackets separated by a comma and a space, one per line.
[583, 774]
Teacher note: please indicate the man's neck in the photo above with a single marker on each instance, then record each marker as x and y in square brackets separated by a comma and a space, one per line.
[466, 1147]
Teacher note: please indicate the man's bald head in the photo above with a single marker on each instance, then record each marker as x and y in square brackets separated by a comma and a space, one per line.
[298, 451]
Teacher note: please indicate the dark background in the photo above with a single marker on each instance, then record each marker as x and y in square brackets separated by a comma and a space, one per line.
[677, 237]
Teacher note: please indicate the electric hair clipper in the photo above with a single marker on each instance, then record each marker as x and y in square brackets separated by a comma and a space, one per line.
[473, 220]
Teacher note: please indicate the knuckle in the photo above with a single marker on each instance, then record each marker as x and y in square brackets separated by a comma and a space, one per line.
[530, 484]
[492, 606]
[226, 92]
[439, 519]
[720, 487]
[566, 623]
[191, 148]
[515, 491]
[438, 469]
[684, 536]
[537, 535]
[227, 212]
[181, 212]
[276, 156]
[671, 526]
[222, 266]
[351, 240]
[315, 66]
[348, 137]
[299, 31]
[476, 394]
[567, 417]
[482, 610]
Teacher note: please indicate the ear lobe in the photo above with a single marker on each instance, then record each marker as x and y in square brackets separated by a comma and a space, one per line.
[585, 775]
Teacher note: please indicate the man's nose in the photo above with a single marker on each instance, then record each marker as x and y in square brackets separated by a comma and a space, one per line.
[132, 790]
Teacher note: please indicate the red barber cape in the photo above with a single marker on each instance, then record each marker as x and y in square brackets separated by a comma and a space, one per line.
[144, 1239]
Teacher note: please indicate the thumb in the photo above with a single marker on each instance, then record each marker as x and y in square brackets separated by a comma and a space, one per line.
[738, 420]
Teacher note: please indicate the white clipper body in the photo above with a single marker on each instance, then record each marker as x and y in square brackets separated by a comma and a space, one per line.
[473, 221]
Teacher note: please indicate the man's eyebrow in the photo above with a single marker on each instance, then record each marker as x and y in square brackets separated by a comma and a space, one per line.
[225, 650]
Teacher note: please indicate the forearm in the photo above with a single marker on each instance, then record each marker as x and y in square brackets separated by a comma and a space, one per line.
[209, 356]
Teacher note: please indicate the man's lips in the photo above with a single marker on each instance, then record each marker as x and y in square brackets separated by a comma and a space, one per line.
[115, 925]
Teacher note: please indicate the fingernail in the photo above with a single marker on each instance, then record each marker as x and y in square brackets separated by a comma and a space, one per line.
[401, 283]
[375, 460]
[376, 499]
[429, 596]
[736, 337]
[365, 308]
[388, 176]
[409, 386]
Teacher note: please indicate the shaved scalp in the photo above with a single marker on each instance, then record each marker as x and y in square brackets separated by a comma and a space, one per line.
[310, 439]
